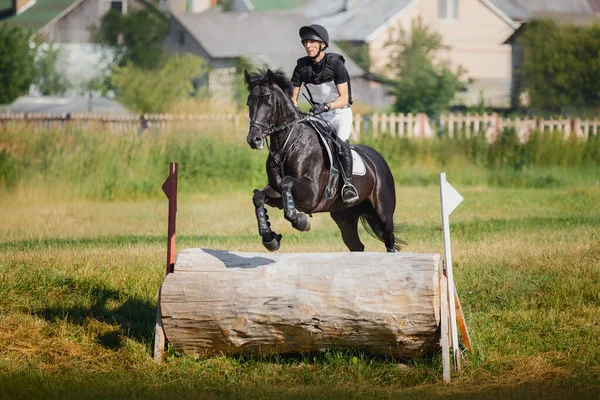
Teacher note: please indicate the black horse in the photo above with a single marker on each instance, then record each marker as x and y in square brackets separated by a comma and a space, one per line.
[298, 170]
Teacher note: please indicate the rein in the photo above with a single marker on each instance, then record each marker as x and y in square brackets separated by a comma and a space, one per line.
[269, 129]
[283, 150]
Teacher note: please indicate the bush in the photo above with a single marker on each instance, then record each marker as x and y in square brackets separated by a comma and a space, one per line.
[17, 70]
[561, 66]
[147, 90]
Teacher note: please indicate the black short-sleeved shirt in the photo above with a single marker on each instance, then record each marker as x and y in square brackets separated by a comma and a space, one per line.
[321, 78]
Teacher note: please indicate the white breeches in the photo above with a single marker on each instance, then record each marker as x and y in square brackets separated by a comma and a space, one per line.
[341, 119]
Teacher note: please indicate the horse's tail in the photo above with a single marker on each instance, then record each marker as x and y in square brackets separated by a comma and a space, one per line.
[373, 229]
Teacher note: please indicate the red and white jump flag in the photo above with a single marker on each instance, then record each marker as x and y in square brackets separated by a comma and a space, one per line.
[450, 199]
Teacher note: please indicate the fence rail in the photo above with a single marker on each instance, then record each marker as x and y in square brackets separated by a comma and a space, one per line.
[395, 125]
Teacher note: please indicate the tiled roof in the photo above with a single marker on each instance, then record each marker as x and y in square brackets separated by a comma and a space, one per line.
[42, 12]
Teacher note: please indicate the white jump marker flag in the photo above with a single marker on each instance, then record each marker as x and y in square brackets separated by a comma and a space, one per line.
[450, 199]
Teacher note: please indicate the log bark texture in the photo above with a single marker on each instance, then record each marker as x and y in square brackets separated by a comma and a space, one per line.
[386, 304]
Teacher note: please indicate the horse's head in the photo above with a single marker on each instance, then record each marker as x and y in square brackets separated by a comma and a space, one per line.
[269, 90]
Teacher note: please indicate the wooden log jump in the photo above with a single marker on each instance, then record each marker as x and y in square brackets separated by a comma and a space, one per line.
[218, 301]
[223, 302]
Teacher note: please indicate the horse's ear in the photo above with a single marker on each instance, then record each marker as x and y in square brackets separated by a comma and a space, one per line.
[270, 76]
[247, 76]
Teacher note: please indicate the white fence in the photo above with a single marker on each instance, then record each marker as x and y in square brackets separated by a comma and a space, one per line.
[395, 125]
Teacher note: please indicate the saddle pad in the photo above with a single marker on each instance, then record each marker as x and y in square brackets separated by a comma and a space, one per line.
[358, 165]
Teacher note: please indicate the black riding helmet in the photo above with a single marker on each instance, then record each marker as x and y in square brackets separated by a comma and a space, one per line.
[315, 32]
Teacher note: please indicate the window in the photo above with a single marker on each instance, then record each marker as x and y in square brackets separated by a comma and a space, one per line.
[117, 6]
[181, 37]
[448, 9]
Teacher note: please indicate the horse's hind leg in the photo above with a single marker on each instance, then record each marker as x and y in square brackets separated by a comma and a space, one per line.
[271, 240]
[347, 222]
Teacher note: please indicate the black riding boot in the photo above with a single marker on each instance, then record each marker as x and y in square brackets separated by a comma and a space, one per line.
[349, 192]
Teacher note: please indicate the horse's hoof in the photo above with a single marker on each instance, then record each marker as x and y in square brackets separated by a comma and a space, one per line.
[302, 223]
[272, 245]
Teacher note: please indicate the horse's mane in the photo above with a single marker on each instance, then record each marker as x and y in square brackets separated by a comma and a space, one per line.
[266, 77]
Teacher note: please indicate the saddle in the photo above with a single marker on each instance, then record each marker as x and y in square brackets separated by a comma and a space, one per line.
[333, 148]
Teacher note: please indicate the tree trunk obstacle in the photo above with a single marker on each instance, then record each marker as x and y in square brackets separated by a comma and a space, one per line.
[222, 302]
[225, 302]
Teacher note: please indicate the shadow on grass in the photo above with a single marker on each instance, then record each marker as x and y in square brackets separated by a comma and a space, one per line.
[134, 316]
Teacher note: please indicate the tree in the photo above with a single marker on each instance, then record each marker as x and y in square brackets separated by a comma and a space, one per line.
[137, 37]
[146, 90]
[421, 83]
[17, 70]
[561, 66]
[49, 79]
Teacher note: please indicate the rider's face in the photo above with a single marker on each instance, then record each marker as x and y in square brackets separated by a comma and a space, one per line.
[312, 47]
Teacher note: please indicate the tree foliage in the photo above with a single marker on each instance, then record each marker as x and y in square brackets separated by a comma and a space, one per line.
[137, 37]
[145, 90]
[358, 52]
[49, 79]
[421, 83]
[17, 70]
[560, 66]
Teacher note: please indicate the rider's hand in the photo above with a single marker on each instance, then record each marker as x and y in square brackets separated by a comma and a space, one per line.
[319, 108]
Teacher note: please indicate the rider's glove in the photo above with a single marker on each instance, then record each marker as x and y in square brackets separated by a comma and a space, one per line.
[319, 108]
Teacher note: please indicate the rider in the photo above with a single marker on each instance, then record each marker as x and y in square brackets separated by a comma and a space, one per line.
[328, 82]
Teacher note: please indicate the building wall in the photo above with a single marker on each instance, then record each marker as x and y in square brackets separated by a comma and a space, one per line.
[221, 76]
[371, 93]
[182, 6]
[74, 26]
[475, 39]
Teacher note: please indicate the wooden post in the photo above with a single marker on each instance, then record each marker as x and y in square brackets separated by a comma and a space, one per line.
[375, 120]
[444, 329]
[401, 122]
[421, 121]
[170, 190]
[169, 187]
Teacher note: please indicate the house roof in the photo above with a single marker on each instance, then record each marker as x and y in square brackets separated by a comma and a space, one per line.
[323, 8]
[269, 37]
[59, 105]
[6, 5]
[41, 13]
[595, 5]
[523, 10]
[366, 17]
[268, 5]
[358, 23]
[577, 12]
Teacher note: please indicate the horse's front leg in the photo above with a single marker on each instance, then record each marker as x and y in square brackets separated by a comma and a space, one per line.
[288, 184]
[271, 240]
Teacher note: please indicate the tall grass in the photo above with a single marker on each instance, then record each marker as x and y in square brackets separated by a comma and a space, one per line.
[98, 165]
[79, 277]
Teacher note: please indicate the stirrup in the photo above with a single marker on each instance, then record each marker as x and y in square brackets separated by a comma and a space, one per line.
[349, 193]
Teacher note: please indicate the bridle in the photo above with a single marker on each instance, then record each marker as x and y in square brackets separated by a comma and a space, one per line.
[267, 130]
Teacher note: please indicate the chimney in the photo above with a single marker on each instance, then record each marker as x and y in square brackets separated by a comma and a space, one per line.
[19, 6]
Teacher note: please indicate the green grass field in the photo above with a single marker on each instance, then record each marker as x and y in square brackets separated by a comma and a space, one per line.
[80, 270]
